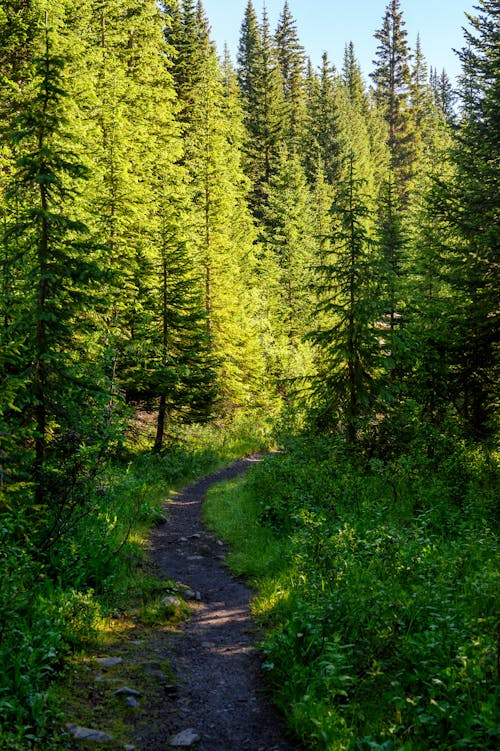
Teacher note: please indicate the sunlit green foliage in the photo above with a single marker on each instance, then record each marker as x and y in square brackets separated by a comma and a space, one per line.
[379, 589]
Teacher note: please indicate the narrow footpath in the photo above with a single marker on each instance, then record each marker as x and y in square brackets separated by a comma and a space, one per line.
[219, 703]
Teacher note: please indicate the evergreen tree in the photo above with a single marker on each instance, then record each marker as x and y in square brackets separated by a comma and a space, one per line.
[392, 93]
[421, 93]
[469, 206]
[393, 265]
[285, 269]
[444, 95]
[56, 395]
[346, 337]
[352, 79]
[221, 233]
[133, 147]
[179, 360]
[321, 139]
[263, 104]
[291, 58]
[426, 337]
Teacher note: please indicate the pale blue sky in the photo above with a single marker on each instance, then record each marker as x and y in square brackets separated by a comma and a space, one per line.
[327, 25]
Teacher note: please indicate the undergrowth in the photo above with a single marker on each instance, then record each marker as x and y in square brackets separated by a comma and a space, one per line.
[53, 603]
[378, 587]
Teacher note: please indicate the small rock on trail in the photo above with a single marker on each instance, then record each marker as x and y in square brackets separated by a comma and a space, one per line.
[185, 738]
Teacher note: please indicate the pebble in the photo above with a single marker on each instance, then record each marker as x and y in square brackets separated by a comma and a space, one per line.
[109, 661]
[88, 734]
[126, 691]
[170, 602]
[186, 738]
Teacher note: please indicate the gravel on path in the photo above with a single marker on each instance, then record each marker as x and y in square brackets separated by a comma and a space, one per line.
[220, 695]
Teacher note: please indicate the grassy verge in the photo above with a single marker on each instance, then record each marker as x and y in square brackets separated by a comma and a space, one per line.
[58, 610]
[378, 586]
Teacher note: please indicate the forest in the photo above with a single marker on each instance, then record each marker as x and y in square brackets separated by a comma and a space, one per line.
[203, 256]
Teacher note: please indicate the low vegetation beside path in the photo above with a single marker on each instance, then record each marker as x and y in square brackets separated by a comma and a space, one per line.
[56, 602]
[378, 588]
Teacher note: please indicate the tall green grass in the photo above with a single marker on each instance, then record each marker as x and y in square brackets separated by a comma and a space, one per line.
[381, 594]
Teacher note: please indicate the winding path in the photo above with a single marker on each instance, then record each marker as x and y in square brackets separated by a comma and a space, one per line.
[219, 683]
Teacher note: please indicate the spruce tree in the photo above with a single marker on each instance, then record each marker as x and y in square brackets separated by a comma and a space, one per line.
[321, 137]
[346, 335]
[288, 254]
[470, 207]
[392, 93]
[263, 104]
[291, 58]
[220, 229]
[444, 95]
[56, 392]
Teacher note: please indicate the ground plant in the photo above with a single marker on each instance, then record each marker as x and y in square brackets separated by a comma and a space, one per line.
[380, 594]
[54, 607]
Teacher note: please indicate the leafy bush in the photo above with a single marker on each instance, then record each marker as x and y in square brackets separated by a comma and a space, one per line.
[387, 636]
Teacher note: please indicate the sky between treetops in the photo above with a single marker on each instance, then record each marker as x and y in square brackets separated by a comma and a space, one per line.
[328, 25]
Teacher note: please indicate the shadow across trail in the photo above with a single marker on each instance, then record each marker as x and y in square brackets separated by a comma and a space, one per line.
[220, 692]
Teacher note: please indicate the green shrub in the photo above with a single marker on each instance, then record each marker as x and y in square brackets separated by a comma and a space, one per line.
[386, 636]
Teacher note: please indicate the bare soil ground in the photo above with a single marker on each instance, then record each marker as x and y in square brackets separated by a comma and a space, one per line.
[219, 690]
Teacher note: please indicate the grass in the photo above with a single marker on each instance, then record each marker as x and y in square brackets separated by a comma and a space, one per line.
[55, 611]
[378, 585]
[231, 512]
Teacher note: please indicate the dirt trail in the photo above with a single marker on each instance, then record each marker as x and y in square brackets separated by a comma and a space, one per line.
[219, 680]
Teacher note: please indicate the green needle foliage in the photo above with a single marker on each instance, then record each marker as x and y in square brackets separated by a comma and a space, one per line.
[56, 392]
[346, 288]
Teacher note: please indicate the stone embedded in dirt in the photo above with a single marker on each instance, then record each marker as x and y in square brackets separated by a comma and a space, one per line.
[197, 597]
[103, 679]
[126, 691]
[129, 747]
[220, 543]
[170, 602]
[88, 734]
[162, 678]
[195, 557]
[132, 702]
[204, 549]
[186, 738]
[190, 594]
[108, 662]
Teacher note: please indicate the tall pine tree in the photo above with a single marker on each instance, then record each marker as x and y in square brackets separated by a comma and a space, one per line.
[391, 77]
